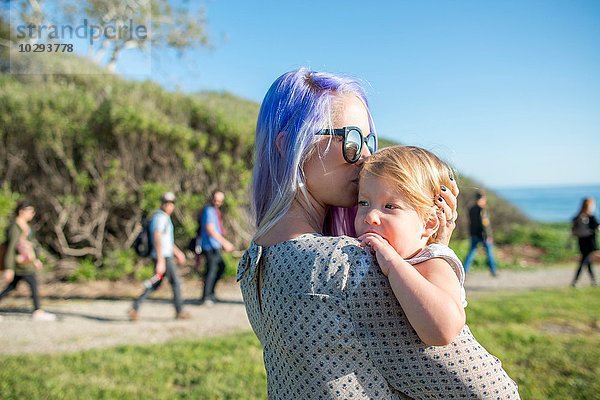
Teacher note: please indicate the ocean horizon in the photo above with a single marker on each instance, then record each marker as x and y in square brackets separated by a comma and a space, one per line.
[558, 203]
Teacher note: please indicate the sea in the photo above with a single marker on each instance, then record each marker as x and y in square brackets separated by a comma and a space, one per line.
[550, 203]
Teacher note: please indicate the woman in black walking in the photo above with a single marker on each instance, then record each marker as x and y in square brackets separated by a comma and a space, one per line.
[584, 228]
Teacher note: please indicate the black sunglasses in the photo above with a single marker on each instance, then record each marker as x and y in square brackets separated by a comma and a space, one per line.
[353, 141]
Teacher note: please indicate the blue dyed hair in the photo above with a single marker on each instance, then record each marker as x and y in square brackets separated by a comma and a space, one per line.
[298, 104]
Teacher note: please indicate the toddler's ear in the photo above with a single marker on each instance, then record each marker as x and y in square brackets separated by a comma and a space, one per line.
[431, 225]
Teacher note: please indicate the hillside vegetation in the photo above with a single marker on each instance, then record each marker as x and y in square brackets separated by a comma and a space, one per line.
[95, 151]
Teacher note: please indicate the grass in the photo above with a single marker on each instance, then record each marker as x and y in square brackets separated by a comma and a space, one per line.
[220, 368]
[548, 341]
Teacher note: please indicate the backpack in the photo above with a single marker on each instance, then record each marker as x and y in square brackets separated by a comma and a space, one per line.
[581, 227]
[3, 247]
[142, 245]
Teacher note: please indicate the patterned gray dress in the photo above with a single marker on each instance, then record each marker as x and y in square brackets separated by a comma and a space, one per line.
[331, 328]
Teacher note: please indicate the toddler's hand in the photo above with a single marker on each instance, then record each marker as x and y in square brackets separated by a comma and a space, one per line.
[38, 264]
[384, 251]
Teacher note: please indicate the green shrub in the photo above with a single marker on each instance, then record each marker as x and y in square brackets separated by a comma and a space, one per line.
[8, 202]
[231, 264]
[554, 240]
[86, 271]
[118, 264]
[514, 234]
[144, 270]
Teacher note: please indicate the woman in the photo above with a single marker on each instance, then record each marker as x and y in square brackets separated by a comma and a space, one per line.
[584, 228]
[326, 316]
[20, 260]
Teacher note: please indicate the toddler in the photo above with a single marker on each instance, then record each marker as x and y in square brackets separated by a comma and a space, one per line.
[397, 219]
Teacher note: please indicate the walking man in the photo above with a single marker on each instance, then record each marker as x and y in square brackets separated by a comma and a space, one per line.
[480, 229]
[212, 241]
[163, 253]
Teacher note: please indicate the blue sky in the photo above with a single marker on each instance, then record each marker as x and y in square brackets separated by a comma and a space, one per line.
[506, 91]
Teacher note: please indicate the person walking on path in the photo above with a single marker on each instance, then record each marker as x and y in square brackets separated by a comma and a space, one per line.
[481, 232]
[584, 229]
[20, 259]
[212, 241]
[163, 253]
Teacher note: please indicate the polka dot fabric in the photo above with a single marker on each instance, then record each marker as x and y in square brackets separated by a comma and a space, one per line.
[331, 328]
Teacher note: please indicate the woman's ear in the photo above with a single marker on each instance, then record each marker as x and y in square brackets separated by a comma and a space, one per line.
[431, 225]
[279, 142]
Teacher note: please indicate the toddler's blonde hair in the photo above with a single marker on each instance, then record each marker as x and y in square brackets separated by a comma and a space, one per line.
[413, 171]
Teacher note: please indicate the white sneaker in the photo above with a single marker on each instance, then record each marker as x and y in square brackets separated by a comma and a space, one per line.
[41, 315]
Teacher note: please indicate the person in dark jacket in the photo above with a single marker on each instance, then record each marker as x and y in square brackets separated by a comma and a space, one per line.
[584, 229]
[20, 259]
[481, 232]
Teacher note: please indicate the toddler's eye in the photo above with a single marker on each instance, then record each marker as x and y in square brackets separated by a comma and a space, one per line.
[363, 203]
[391, 206]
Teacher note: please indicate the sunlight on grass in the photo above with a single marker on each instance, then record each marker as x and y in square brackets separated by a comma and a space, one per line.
[548, 341]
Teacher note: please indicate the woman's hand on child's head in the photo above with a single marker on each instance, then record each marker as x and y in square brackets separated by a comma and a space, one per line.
[384, 251]
[447, 203]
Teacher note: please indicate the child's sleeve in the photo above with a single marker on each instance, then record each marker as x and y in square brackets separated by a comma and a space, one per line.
[445, 253]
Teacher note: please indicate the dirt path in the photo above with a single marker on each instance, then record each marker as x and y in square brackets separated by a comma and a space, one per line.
[89, 319]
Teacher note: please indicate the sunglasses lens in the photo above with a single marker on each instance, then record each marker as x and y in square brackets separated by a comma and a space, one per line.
[372, 143]
[353, 145]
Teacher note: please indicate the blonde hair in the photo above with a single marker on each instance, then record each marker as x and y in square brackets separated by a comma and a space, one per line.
[415, 172]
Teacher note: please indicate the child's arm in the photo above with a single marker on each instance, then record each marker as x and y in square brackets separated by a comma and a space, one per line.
[428, 292]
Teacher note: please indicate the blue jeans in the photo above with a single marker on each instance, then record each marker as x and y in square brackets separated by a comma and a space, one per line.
[475, 241]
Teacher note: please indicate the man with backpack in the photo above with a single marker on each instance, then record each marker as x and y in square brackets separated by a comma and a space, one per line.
[164, 253]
